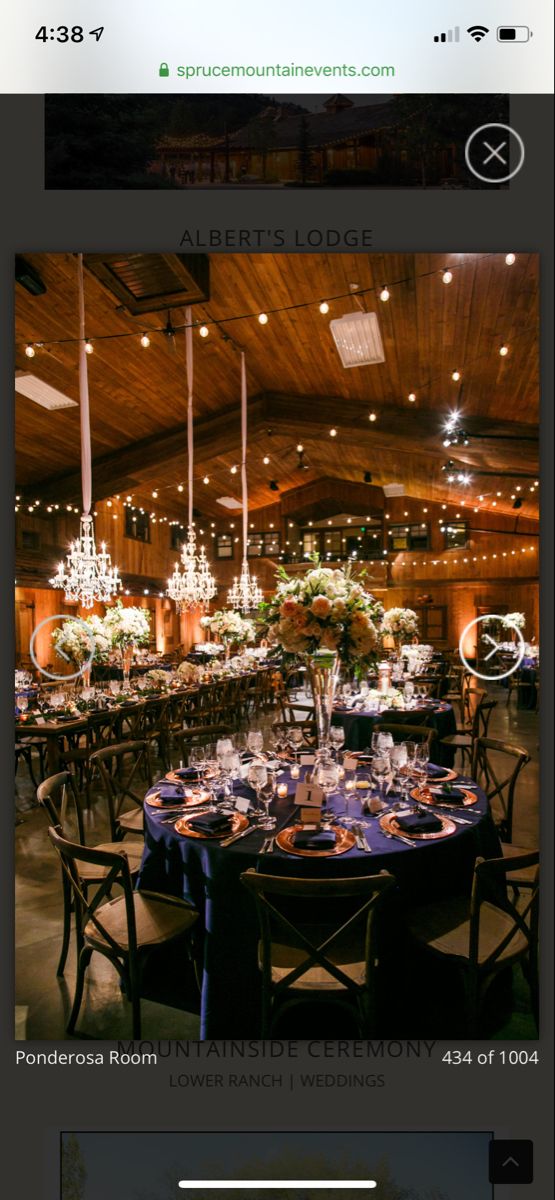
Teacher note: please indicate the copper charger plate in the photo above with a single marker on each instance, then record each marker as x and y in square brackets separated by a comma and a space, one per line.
[345, 840]
[191, 796]
[447, 777]
[238, 822]
[389, 824]
[174, 777]
[425, 796]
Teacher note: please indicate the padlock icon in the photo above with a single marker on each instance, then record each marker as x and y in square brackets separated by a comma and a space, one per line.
[164, 70]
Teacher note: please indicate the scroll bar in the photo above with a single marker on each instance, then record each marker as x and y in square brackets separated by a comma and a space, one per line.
[266, 1184]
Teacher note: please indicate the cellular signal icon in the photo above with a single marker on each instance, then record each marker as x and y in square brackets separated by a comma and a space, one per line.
[452, 35]
[478, 32]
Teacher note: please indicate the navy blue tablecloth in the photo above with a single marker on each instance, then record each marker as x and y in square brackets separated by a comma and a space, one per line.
[208, 875]
[358, 726]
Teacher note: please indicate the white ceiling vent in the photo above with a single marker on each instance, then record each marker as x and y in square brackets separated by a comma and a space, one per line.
[358, 339]
[48, 397]
[393, 489]
[228, 502]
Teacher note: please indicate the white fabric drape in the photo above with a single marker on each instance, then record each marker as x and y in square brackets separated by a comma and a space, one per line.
[86, 463]
[189, 359]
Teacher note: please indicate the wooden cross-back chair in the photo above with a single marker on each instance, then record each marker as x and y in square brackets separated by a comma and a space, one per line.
[333, 958]
[122, 929]
[57, 795]
[487, 932]
[412, 733]
[126, 775]
[491, 759]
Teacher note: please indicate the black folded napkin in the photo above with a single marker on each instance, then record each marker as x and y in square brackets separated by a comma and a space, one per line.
[211, 823]
[435, 772]
[419, 823]
[446, 795]
[186, 773]
[170, 793]
[314, 839]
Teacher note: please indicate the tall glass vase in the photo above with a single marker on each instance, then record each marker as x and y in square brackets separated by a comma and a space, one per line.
[324, 668]
[126, 662]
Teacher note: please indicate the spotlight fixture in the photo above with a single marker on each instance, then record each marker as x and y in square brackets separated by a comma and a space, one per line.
[274, 486]
[518, 502]
[368, 477]
[145, 341]
[26, 275]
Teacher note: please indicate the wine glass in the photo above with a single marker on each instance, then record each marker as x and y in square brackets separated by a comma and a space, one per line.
[258, 778]
[326, 776]
[337, 738]
[255, 741]
[408, 691]
[267, 793]
[22, 703]
[381, 769]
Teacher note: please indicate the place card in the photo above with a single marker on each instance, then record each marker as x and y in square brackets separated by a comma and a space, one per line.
[40, 721]
[307, 760]
[350, 763]
[242, 804]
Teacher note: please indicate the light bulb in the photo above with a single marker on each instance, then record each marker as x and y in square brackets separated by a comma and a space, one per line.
[503, 350]
[30, 351]
[372, 416]
[265, 460]
[510, 259]
[456, 376]
[324, 307]
[300, 447]
[412, 397]
[206, 479]
[384, 294]
[333, 432]
[263, 318]
[88, 347]
[447, 277]
[204, 331]
[180, 487]
[233, 470]
[155, 495]
[145, 341]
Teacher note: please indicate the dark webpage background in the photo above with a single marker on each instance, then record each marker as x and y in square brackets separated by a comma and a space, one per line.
[513, 1101]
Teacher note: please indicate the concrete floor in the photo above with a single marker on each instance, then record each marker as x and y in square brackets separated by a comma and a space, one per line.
[44, 1001]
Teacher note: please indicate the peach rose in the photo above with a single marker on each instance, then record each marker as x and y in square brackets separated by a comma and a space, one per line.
[321, 606]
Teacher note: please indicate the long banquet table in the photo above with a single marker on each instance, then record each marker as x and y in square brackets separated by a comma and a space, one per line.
[202, 871]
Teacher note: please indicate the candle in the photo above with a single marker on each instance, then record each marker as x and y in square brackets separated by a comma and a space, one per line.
[350, 785]
[282, 789]
[295, 771]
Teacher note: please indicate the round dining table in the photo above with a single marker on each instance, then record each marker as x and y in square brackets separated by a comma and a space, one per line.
[208, 874]
[438, 714]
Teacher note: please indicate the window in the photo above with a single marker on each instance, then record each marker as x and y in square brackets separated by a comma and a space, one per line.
[137, 525]
[263, 545]
[408, 537]
[177, 536]
[455, 535]
[224, 545]
[432, 623]
[311, 543]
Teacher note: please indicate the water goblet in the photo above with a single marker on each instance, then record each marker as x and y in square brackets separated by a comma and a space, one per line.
[326, 776]
[258, 778]
[255, 741]
[381, 769]
[337, 738]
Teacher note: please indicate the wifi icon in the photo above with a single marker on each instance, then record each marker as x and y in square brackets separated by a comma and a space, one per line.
[477, 32]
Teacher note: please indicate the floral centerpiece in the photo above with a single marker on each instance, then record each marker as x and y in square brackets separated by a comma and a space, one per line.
[326, 616]
[157, 677]
[400, 623]
[72, 641]
[514, 620]
[127, 627]
[188, 672]
[230, 627]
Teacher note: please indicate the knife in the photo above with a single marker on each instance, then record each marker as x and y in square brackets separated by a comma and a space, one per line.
[237, 836]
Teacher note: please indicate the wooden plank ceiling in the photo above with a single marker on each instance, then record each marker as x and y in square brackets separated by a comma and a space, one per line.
[298, 388]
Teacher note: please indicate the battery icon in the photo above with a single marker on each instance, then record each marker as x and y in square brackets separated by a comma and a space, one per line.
[513, 33]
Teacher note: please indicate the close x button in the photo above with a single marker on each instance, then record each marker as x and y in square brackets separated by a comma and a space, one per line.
[511, 1162]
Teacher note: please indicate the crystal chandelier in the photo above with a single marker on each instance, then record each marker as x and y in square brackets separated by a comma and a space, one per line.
[194, 586]
[245, 595]
[87, 576]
